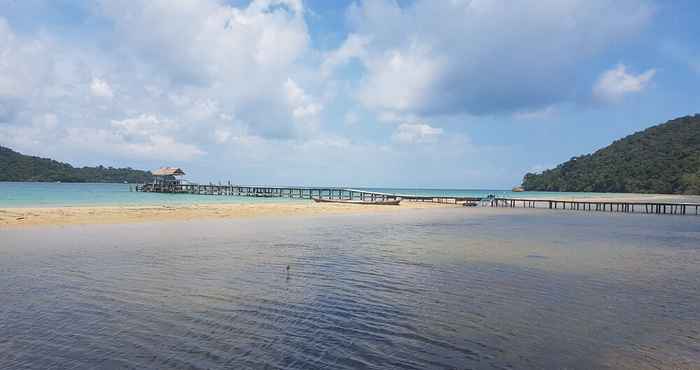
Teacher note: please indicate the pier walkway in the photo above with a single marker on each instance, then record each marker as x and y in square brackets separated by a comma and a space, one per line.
[366, 195]
[293, 192]
[663, 208]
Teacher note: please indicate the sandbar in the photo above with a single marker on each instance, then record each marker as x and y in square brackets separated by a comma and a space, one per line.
[80, 215]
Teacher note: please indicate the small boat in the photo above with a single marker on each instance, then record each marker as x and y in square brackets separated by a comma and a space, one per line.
[386, 202]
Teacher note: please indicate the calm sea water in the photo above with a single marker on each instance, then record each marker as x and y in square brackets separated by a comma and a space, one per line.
[430, 289]
[37, 194]
[26, 194]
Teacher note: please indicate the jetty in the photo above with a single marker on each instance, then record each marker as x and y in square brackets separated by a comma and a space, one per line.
[337, 193]
[660, 208]
[166, 181]
[263, 191]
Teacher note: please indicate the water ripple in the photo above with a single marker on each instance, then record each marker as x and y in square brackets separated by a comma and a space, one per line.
[442, 291]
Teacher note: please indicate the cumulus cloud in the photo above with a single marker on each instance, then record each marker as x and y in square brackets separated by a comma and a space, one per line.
[146, 135]
[411, 133]
[614, 84]
[200, 51]
[101, 88]
[202, 41]
[199, 80]
[23, 63]
[220, 70]
[401, 80]
[480, 57]
[354, 46]
[302, 106]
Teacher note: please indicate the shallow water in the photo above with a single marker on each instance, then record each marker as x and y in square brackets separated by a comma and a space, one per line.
[443, 289]
[42, 194]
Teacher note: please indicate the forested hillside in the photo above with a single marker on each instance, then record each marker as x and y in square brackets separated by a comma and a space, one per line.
[662, 159]
[18, 167]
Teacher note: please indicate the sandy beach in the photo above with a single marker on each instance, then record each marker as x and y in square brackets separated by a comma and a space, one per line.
[58, 216]
[11, 217]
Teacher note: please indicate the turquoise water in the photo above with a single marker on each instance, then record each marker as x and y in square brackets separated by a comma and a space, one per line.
[37, 194]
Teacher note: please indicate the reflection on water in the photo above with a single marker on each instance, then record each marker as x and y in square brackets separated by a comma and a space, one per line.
[427, 289]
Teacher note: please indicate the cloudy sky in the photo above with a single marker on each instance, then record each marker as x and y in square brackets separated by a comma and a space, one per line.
[416, 93]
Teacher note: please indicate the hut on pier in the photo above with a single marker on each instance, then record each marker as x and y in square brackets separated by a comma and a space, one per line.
[167, 176]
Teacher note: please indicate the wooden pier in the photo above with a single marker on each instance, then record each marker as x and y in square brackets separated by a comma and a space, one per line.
[267, 191]
[366, 195]
[601, 206]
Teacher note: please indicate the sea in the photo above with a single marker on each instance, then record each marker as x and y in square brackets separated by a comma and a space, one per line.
[443, 288]
[42, 194]
[434, 289]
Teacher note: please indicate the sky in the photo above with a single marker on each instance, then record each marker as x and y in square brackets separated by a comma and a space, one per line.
[416, 93]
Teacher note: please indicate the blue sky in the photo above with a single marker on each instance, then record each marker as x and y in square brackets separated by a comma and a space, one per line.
[415, 93]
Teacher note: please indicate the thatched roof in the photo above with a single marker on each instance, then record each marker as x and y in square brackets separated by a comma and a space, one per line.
[168, 171]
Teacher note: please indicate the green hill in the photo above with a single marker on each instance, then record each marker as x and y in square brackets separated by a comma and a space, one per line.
[19, 167]
[662, 159]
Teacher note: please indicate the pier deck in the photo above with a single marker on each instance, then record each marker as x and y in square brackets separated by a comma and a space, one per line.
[601, 206]
[366, 195]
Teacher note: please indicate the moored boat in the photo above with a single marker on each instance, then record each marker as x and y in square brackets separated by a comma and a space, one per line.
[385, 202]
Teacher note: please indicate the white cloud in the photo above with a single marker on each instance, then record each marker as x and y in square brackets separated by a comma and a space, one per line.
[354, 46]
[202, 80]
[410, 133]
[201, 62]
[205, 41]
[615, 83]
[480, 57]
[101, 88]
[303, 107]
[214, 58]
[24, 63]
[399, 80]
[154, 147]
[146, 135]
[350, 118]
[47, 121]
[202, 110]
[222, 135]
[395, 117]
[143, 126]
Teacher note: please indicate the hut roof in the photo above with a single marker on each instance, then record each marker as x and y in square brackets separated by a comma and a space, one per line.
[168, 171]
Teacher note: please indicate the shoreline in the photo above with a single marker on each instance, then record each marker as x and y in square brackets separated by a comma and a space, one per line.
[31, 216]
[20, 217]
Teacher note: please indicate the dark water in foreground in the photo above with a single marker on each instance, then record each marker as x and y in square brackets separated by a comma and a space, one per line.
[444, 289]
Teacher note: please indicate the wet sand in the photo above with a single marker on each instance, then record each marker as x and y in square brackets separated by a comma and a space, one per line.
[59, 216]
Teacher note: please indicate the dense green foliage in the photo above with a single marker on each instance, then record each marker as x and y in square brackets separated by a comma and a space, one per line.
[18, 167]
[662, 159]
